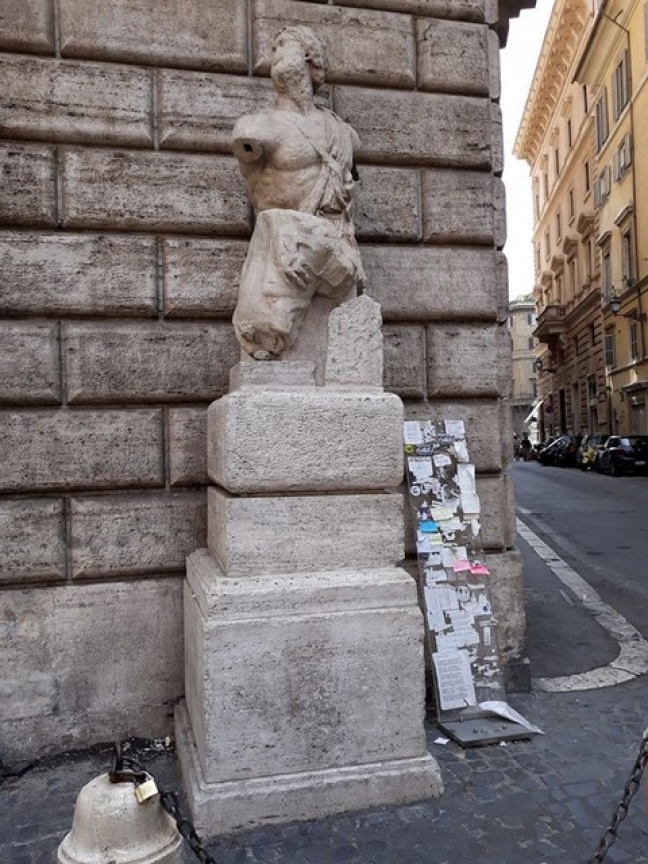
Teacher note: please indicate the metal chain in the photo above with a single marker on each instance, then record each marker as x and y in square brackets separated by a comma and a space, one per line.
[127, 769]
[621, 811]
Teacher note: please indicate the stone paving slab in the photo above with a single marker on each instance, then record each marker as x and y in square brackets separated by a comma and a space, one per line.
[547, 799]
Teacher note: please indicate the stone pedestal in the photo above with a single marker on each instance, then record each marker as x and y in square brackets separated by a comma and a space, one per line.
[303, 638]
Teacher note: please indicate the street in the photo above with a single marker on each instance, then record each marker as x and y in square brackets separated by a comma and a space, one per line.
[595, 528]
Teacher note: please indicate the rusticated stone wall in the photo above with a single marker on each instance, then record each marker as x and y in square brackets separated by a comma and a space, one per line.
[123, 226]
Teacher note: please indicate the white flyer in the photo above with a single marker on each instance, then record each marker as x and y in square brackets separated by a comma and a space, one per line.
[456, 428]
[412, 432]
[454, 681]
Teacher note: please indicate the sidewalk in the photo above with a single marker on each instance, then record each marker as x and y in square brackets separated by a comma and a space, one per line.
[543, 800]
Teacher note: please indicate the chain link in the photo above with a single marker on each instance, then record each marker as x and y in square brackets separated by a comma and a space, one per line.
[127, 769]
[629, 791]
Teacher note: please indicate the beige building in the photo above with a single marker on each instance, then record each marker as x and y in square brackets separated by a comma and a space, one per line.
[522, 322]
[614, 69]
[555, 138]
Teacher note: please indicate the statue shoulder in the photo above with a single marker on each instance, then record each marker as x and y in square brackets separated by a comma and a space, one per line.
[345, 128]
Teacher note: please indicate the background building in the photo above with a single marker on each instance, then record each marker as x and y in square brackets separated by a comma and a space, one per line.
[522, 322]
[614, 68]
[555, 138]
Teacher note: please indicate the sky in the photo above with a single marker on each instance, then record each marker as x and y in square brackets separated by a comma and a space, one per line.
[518, 61]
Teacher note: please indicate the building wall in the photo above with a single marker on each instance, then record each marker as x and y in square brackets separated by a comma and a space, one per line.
[556, 139]
[523, 378]
[618, 50]
[123, 226]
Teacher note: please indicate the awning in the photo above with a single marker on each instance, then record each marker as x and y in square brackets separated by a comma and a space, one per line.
[527, 419]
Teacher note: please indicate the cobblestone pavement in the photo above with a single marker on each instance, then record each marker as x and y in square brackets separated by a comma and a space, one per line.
[547, 799]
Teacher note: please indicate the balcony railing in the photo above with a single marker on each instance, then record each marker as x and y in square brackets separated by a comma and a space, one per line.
[550, 323]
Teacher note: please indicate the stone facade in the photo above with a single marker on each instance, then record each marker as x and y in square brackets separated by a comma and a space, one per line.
[123, 225]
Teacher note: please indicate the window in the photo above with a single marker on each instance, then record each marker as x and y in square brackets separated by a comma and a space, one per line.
[634, 341]
[569, 134]
[531, 341]
[534, 387]
[592, 332]
[573, 276]
[588, 182]
[622, 158]
[589, 250]
[547, 240]
[620, 88]
[545, 186]
[606, 272]
[602, 128]
[558, 227]
[556, 161]
[627, 258]
[602, 186]
[570, 196]
[536, 207]
[610, 348]
[592, 388]
[585, 100]
[537, 259]
[531, 319]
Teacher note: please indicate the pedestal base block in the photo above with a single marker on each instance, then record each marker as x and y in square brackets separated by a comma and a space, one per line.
[221, 808]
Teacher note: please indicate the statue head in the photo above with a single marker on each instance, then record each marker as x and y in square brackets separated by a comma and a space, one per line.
[295, 49]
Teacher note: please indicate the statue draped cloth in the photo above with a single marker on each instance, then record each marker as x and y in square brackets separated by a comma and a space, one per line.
[295, 254]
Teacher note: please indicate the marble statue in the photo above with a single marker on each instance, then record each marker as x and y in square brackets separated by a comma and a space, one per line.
[297, 159]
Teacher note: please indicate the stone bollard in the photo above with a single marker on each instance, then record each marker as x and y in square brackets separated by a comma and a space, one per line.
[110, 824]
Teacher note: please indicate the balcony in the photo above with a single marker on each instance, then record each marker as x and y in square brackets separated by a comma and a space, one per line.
[550, 324]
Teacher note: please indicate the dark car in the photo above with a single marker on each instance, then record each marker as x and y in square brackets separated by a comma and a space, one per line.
[567, 452]
[589, 451]
[624, 455]
[549, 453]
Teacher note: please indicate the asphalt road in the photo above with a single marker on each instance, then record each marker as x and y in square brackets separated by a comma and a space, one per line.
[598, 524]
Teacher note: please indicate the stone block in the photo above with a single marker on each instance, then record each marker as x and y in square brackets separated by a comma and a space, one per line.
[364, 47]
[32, 545]
[453, 57]
[416, 283]
[418, 128]
[193, 35]
[497, 515]
[153, 191]
[27, 25]
[145, 362]
[468, 10]
[494, 66]
[336, 680]
[355, 344]
[198, 111]
[305, 440]
[499, 213]
[405, 369]
[263, 536]
[502, 286]
[274, 376]
[201, 277]
[28, 189]
[30, 368]
[497, 139]
[74, 658]
[81, 449]
[67, 101]
[507, 593]
[187, 439]
[464, 360]
[77, 274]
[483, 426]
[127, 535]
[387, 204]
[460, 206]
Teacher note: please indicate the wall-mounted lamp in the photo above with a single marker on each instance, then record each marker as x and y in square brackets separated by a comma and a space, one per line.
[614, 305]
[539, 366]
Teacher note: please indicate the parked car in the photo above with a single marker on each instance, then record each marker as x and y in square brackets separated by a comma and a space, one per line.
[589, 451]
[566, 453]
[549, 453]
[624, 455]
